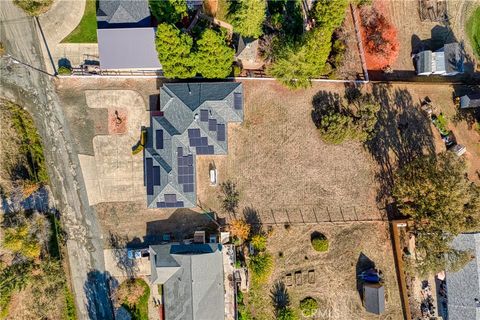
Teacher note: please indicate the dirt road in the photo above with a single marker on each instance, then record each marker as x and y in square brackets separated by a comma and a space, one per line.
[35, 91]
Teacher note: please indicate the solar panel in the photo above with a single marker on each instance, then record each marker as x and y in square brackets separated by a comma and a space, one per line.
[189, 170]
[204, 115]
[221, 132]
[156, 176]
[203, 141]
[188, 187]
[161, 205]
[149, 174]
[193, 133]
[238, 100]
[189, 160]
[210, 150]
[188, 179]
[159, 139]
[179, 151]
[171, 204]
[179, 204]
[181, 161]
[170, 198]
[212, 124]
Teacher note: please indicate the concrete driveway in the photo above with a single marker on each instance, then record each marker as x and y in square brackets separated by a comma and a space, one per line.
[113, 173]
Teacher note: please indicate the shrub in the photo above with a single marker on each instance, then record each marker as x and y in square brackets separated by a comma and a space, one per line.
[380, 39]
[230, 196]
[309, 306]
[319, 242]
[259, 242]
[64, 71]
[34, 7]
[286, 314]
[261, 266]
[240, 229]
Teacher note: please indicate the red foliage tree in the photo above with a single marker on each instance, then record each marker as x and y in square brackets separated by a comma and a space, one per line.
[379, 39]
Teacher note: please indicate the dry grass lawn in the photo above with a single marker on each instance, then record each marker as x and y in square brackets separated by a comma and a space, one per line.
[351, 249]
[278, 161]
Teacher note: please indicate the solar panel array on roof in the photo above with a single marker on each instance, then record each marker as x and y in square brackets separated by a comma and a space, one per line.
[197, 142]
[156, 176]
[159, 139]
[205, 150]
[170, 202]
[237, 100]
[220, 132]
[185, 170]
[203, 115]
[149, 175]
[212, 124]
[193, 133]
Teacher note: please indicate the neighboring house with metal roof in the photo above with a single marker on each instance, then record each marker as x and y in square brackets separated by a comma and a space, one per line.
[123, 14]
[463, 287]
[470, 101]
[192, 279]
[126, 37]
[193, 122]
[447, 61]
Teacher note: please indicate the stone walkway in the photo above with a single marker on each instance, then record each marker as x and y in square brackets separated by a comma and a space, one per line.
[57, 23]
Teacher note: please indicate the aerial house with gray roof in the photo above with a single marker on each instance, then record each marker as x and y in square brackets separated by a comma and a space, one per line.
[193, 121]
[126, 36]
[192, 280]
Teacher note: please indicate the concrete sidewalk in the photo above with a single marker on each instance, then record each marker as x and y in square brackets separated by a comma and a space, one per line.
[56, 24]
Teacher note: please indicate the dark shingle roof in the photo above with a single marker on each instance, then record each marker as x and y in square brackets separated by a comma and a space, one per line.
[453, 57]
[120, 13]
[194, 121]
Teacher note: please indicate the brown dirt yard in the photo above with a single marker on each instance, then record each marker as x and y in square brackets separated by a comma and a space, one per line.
[352, 249]
[413, 33]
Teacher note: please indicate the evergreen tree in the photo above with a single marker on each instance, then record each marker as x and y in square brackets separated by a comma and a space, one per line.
[329, 14]
[174, 52]
[214, 57]
[169, 11]
[248, 17]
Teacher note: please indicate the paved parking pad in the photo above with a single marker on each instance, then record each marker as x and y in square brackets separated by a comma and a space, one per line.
[113, 173]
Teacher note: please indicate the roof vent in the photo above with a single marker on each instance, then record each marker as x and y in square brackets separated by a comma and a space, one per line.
[195, 117]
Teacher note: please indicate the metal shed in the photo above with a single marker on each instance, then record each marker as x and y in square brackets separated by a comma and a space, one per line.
[374, 297]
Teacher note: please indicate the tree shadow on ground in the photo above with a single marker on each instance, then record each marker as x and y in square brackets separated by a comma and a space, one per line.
[180, 225]
[279, 295]
[363, 263]
[324, 102]
[403, 133]
[253, 219]
[98, 292]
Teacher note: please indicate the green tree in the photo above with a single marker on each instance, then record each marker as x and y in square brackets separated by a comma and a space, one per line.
[169, 11]
[335, 128]
[248, 17]
[174, 52]
[329, 14]
[434, 191]
[296, 65]
[365, 121]
[214, 57]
